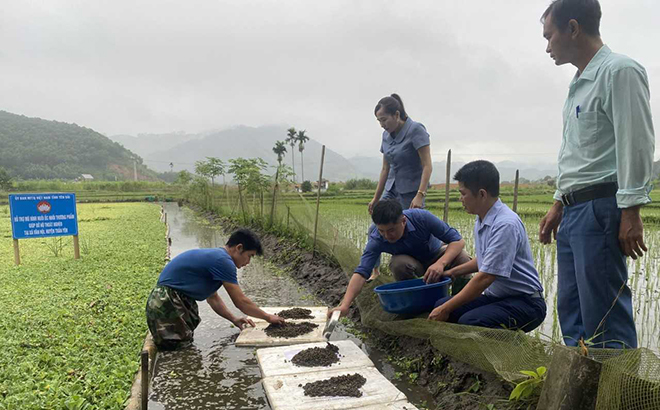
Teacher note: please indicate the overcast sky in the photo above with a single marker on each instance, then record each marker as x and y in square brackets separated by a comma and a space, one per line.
[475, 72]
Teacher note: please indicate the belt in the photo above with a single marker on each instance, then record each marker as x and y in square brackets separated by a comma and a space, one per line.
[536, 295]
[604, 190]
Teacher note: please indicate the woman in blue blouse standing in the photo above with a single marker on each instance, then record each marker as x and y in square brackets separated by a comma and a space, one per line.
[407, 164]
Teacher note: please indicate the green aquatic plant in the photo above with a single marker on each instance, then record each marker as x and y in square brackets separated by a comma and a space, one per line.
[529, 386]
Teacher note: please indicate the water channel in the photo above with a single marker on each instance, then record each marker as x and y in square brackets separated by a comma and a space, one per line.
[213, 373]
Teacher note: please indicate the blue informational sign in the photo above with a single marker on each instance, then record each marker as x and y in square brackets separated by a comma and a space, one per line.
[43, 215]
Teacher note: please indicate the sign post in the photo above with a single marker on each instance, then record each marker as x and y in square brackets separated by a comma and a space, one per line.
[17, 253]
[42, 216]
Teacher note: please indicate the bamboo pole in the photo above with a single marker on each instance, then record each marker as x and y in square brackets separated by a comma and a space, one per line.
[17, 253]
[261, 200]
[240, 200]
[76, 247]
[288, 215]
[318, 202]
[272, 206]
[334, 241]
[515, 192]
[144, 379]
[447, 180]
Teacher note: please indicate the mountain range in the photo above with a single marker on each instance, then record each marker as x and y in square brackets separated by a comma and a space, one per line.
[178, 151]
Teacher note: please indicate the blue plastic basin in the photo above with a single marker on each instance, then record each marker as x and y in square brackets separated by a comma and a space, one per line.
[411, 297]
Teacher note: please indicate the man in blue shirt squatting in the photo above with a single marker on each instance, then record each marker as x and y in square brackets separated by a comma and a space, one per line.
[197, 274]
[414, 238]
[506, 293]
[605, 171]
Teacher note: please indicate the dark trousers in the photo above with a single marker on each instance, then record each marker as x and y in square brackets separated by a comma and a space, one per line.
[594, 301]
[516, 312]
[405, 267]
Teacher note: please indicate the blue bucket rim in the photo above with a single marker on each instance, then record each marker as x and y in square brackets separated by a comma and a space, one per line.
[382, 289]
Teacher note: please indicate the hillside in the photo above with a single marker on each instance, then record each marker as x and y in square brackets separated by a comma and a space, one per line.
[147, 144]
[250, 142]
[33, 148]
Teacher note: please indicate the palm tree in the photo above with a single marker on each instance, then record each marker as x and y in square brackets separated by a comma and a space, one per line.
[291, 139]
[302, 139]
[280, 150]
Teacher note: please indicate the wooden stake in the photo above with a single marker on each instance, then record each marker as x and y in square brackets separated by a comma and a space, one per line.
[144, 379]
[515, 192]
[334, 241]
[318, 202]
[240, 200]
[447, 180]
[17, 253]
[261, 199]
[76, 247]
[272, 206]
[288, 214]
[571, 382]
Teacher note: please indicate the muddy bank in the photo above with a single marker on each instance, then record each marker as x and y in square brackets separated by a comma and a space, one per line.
[453, 384]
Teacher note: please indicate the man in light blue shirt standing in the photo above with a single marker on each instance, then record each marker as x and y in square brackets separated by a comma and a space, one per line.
[506, 293]
[604, 178]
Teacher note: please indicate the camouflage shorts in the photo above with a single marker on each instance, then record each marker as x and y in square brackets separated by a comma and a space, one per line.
[172, 317]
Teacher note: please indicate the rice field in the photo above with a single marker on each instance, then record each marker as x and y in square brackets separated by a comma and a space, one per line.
[346, 216]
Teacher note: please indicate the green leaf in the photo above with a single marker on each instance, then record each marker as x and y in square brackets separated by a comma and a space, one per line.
[517, 391]
[527, 391]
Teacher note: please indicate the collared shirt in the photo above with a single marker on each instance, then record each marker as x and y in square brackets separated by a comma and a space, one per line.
[199, 273]
[400, 151]
[608, 130]
[503, 250]
[421, 239]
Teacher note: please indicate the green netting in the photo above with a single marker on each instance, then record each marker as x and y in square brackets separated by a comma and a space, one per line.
[629, 379]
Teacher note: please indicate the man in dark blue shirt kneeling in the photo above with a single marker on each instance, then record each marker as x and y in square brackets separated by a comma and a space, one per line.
[414, 238]
[197, 274]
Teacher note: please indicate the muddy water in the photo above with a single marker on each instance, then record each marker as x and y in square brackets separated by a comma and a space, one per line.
[213, 373]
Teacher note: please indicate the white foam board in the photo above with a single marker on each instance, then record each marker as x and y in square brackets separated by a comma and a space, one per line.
[255, 336]
[286, 393]
[399, 405]
[276, 361]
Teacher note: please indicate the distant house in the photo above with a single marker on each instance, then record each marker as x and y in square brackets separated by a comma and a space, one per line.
[325, 184]
[85, 177]
[315, 186]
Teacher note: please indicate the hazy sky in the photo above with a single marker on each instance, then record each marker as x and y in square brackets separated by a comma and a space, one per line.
[475, 72]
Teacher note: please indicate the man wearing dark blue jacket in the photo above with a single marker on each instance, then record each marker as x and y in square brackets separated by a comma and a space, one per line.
[414, 238]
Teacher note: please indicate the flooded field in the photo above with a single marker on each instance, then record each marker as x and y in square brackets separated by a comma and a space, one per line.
[351, 221]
